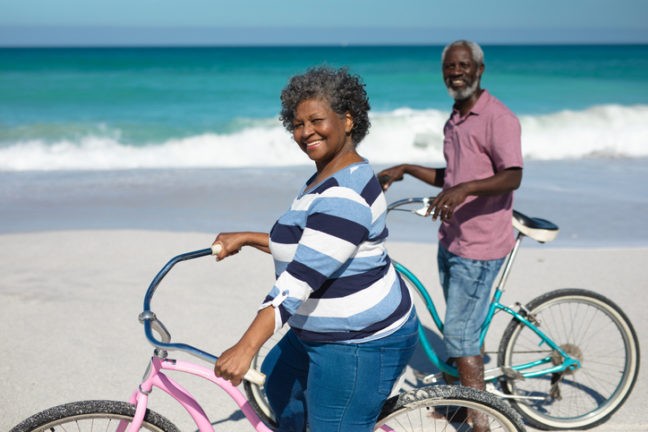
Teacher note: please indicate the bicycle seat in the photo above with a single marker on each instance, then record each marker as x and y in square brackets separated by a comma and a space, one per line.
[540, 230]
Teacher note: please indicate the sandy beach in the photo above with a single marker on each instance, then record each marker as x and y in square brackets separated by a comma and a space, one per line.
[114, 160]
[69, 302]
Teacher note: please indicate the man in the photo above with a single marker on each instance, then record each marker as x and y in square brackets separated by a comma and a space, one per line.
[482, 149]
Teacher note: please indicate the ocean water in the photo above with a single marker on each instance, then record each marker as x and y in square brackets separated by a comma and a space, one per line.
[217, 107]
[188, 138]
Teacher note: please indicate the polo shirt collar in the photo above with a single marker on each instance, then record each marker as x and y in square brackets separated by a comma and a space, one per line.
[479, 106]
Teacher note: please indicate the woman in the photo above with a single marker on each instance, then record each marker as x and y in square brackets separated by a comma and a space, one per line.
[352, 322]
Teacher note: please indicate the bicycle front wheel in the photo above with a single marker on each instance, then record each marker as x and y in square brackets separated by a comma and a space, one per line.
[445, 408]
[97, 415]
[588, 327]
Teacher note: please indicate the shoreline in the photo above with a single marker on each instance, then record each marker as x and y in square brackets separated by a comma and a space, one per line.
[70, 300]
[595, 202]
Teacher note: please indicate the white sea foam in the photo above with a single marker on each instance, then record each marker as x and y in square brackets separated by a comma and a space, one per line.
[401, 135]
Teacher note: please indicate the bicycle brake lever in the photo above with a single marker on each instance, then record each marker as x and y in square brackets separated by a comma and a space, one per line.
[423, 210]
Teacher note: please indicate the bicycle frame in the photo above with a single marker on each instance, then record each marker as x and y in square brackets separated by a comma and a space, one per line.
[155, 377]
[568, 363]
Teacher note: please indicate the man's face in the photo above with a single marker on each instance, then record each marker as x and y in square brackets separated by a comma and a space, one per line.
[460, 73]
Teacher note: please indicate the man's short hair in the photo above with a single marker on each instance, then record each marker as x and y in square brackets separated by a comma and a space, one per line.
[475, 49]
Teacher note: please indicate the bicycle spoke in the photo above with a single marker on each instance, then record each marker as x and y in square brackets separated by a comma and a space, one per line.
[590, 329]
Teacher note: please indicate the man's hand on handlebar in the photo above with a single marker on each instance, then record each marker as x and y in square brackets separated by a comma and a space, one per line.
[390, 175]
[445, 203]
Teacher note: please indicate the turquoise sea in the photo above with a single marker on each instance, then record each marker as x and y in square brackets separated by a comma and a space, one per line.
[163, 138]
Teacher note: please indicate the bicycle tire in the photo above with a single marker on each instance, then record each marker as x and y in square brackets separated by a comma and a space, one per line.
[91, 415]
[599, 333]
[442, 407]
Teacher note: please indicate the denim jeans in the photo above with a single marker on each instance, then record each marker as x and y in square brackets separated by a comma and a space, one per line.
[466, 287]
[335, 387]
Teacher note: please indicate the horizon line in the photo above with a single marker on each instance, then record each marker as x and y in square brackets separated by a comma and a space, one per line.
[311, 45]
[124, 36]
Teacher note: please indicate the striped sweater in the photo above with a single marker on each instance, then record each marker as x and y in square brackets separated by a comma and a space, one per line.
[335, 281]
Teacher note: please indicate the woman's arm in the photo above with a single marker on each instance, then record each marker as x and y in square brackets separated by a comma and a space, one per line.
[231, 243]
[235, 361]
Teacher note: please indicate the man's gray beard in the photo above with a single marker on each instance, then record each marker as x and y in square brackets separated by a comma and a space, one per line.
[460, 95]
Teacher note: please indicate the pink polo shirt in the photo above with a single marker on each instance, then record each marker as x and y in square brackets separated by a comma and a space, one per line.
[485, 141]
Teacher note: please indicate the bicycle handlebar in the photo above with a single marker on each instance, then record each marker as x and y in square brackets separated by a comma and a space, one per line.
[540, 230]
[153, 325]
[414, 200]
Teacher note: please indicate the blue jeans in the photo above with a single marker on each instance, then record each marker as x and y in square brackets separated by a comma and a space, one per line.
[335, 387]
[466, 287]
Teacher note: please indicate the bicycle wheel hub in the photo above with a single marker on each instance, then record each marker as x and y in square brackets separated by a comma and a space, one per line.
[570, 349]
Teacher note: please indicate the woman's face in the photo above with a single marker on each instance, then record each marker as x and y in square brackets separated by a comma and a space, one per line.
[320, 132]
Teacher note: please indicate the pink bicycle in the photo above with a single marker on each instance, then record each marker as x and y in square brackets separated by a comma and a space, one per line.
[422, 409]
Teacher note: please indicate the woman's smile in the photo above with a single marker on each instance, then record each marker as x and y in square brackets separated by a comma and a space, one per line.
[310, 146]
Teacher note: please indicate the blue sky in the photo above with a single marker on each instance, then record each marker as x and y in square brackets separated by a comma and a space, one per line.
[295, 22]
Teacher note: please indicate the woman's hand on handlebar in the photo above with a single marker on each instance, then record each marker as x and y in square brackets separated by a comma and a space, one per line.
[232, 242]
[233, 363]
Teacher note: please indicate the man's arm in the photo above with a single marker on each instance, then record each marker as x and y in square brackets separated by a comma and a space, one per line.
[501, 182]
[431, 176]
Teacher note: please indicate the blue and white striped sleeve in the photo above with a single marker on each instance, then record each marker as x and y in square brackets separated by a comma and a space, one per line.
[338, 221]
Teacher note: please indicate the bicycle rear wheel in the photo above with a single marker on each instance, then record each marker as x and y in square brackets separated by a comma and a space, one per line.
[587, 326]
[444, 408]
[96, 415]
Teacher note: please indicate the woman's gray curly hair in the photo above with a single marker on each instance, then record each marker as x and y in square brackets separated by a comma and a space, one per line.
[343, 91]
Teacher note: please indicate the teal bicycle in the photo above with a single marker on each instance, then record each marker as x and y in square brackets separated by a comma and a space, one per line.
[567, 360]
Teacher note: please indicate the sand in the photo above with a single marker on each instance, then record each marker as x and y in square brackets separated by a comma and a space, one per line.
[69, 302]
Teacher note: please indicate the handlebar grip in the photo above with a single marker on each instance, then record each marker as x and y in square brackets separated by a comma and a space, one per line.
[255, 376]
[216, 248]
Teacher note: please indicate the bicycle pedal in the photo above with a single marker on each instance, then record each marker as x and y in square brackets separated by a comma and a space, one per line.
[432, 379]
[424, 377]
